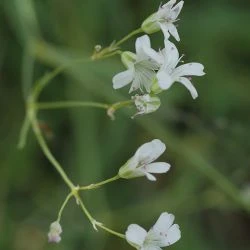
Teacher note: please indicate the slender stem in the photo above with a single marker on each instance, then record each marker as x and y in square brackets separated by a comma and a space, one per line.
[85, 210]
[122, 104]
[95, 223]
[63, 206]
[32, 107]
[42, 83]
[113, 49]
[70, 104]
[113, 108]
[118, 52]
[74, 190]
[133, 33]
[45, 149]
[111, 231]
[24, 133]
[99, 184]
[77, 104]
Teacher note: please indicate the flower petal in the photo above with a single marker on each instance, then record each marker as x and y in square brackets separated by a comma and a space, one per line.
[189, 69]
[165, 28]
[150, 151]
[164, 80]
[169, 4]
[137, 173]
[150, 176]
[135, 235]
[163, 223]
[173, 31]
[157, 167]
[122, 79]
[187, 83]
[158, 58]
[141, 43]
[172, 236]
[163, 233]
[165, 10]
[170, 54]
[176, 10]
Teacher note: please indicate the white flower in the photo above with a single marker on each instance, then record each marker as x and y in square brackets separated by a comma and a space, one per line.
[141, 68]
[141, 163]
[146, 104]
[170, 73]
[162, 234]
[164, 19]
[54, 233]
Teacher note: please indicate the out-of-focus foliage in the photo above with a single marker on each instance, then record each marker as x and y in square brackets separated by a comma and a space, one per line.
[208, 140]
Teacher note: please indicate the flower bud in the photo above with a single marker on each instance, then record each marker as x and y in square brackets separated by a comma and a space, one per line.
[54, 233]
[146, 104]
[150, 25]
[128, 58]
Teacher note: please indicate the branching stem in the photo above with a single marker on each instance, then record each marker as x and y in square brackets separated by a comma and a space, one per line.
[99, 184]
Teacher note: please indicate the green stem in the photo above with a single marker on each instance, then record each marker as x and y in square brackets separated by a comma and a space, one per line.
[95, 223]
[99, 184]
[118, 52]
[122, 104]
[74, 190]
[63, 206]
[85, 210]
[24, 133]
[133, 33]
[112, 231]
[113, 49]
[114, 107]
[111, 109]
[31, 118]
[42, 83]
[70, 104]
[45, 149]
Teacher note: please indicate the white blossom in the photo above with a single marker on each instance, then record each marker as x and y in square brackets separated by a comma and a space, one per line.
[141, 163]
[164, 19]
[140, 68]
[54, 233]
[169, 73]
[162, 234]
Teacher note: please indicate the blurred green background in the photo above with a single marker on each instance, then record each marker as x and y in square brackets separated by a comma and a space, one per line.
[208, 140]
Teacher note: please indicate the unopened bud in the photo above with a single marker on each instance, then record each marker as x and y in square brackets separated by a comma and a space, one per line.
[98, 48]
[54, 233]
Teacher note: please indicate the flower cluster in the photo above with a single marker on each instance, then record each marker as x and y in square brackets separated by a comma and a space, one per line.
[150, 72]
[163, 233]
